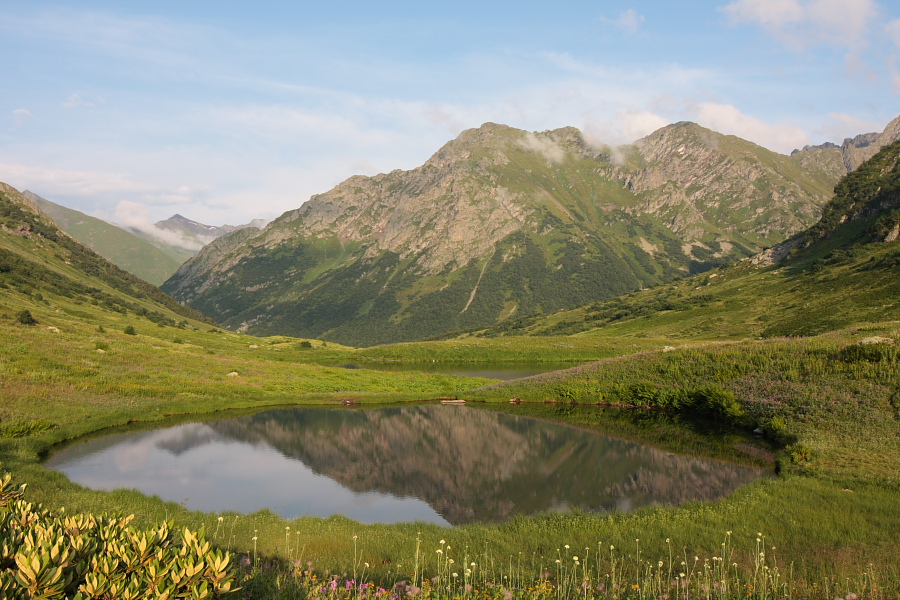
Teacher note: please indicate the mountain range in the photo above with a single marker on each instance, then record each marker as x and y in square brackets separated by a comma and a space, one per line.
[152, 253]
[37, 257]
[502, 223]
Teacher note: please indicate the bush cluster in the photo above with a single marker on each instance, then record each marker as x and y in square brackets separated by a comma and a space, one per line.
[87, 557]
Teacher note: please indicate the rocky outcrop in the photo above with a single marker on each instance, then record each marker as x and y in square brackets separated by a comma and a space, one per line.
[501, 221]
[697, 179]
[859, 149]
[851, 153]
[777, 253]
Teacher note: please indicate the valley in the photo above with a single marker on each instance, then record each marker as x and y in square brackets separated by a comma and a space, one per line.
[803, 351]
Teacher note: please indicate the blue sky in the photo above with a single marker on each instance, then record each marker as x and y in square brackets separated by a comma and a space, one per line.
[229, 111]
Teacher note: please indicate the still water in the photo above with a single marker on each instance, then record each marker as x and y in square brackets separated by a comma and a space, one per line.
[441, 464]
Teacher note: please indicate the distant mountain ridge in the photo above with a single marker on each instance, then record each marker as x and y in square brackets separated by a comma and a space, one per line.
[858, 149]
[501, 223]
[842, 270]
[151, 254]
[119, 246]
[193, 235]
[37, 255]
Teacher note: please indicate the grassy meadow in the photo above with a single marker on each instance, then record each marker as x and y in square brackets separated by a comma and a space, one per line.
[826, 526]
[85, 348]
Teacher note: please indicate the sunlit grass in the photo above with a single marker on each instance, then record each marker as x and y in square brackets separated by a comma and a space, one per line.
[831, 514]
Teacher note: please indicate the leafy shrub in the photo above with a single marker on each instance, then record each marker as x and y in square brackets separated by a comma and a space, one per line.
[19, 429]
[129, 330]
[44, 555]
[801, 453]
[717, 402]
[883, 351]
[568, 393]
[304, 345]
[25, 318]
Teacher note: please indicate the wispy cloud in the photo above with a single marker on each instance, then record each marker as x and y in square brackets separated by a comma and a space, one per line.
[76, 101]
[68, 182]
[20, 116]
[893, 31]
[146, 38]
[551, 151]
[800, 24]
[728, 119]
[628, 21]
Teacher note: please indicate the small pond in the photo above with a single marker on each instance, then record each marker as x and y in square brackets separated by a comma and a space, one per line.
[442, 464]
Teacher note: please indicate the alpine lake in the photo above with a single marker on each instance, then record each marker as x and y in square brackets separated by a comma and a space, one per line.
[450, 465]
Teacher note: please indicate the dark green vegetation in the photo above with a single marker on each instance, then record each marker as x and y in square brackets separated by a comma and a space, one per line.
[131, 253]
[47, 555]
[838, 273]
[499, 224]
[36, 257]
[827, 400]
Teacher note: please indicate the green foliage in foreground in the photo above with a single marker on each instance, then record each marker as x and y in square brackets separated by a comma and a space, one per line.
[831, 513]
[51, 556]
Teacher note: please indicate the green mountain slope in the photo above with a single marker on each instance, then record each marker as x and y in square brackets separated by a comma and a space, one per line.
[122, 248]
[501, 223]
[843, 270]
[37, 258]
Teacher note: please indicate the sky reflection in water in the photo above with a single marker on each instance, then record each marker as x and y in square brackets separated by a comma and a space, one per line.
[440, 464]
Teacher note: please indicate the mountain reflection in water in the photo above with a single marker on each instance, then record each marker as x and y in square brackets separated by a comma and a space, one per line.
[445, 464]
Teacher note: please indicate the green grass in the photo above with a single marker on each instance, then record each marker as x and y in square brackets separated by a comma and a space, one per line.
[830, 413]
[835, 416]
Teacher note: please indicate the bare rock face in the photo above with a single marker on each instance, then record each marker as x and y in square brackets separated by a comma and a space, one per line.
[861, 148]
[847, 157]
[694, 177]
[15, 196]
[503, 222]
[777, 253]
[893, 235]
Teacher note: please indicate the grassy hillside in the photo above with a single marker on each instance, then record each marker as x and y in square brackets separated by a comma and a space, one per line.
[500, 224]
[102, 349]
[120, 247]
[840, 272]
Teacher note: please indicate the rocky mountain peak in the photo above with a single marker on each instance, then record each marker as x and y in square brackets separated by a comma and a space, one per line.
[852, 152]
[501, 222]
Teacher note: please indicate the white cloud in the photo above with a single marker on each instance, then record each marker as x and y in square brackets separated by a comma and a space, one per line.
[136, 216]
[774, 15]
[50, 181]
[893, 31]
[628, 21]
[20, 116]
[543, 145]
[76, 101]
[729, 120]
[635, 124]
[799, 23]
[842, 125]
